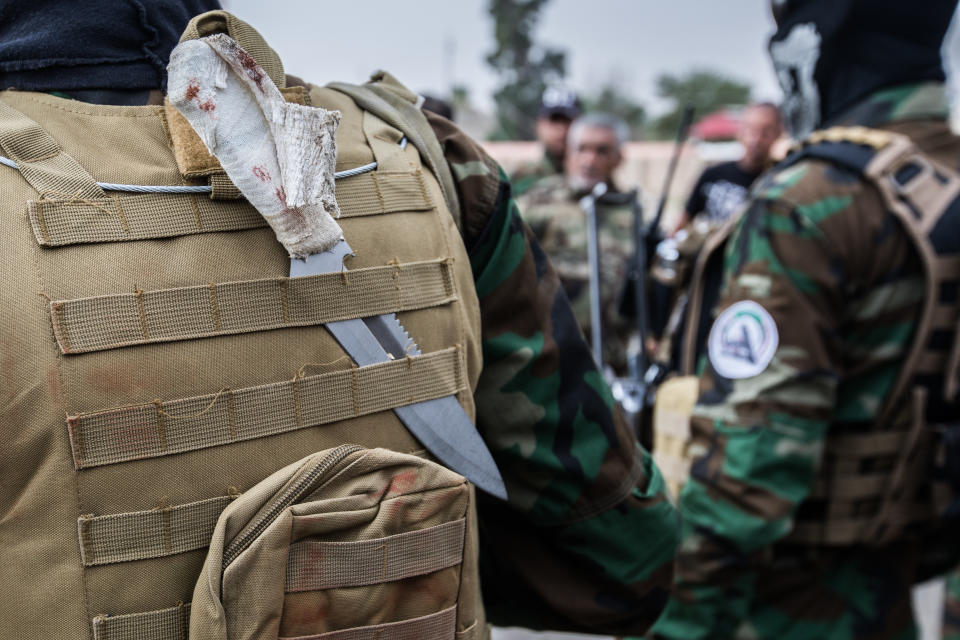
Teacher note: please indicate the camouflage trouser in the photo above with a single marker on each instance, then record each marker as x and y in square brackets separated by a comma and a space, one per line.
[841, 595]
[849, 595]
[951, 607]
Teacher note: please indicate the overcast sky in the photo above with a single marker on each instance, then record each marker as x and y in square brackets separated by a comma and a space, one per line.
[430, 43]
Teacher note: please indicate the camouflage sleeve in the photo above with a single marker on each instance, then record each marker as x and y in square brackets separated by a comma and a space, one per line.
[768, 390]
[532, 210]
[587, 537]
[951, 607]
[522, 179]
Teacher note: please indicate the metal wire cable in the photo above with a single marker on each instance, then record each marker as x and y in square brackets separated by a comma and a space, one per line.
[158, 188]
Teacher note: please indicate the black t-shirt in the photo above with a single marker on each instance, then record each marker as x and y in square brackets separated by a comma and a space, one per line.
[720, 191]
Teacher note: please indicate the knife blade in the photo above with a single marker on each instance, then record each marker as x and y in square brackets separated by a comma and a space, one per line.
[440, 424]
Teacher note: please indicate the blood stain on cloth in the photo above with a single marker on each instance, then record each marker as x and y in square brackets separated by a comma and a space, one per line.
[253, 70]
[305, 613]
[291, 213]
[193, 93]
[261, 174]
[402, 482]
[193, 90]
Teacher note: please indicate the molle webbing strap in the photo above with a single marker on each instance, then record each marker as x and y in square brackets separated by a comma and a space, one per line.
[382, 192]
[436, 626]
[218, 309]
[869, 487]
[163, 428]
[165, 624]
[852, 529]
[924, 196]
[174, 624]
[312, 566]
[41, 161]
[120, 218]
[155, 533]
[389, 105]
[841, 532]
[58, 223]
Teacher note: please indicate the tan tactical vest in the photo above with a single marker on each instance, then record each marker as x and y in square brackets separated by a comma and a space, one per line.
[874, 487]
[166, 389]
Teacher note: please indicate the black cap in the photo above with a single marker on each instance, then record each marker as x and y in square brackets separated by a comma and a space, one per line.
[559, 101]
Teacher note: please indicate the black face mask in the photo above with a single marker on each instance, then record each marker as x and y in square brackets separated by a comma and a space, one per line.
[830, 54]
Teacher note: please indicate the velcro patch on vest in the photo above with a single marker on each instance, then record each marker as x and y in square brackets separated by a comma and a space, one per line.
[119, 218]
[218, 309]
[743, 341]
[233, 415]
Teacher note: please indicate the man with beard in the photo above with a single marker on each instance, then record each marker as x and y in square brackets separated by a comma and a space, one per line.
[552, 210]
[823, 441]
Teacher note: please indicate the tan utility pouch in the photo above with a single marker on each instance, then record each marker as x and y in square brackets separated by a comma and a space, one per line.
[347, 543]
[671, 429]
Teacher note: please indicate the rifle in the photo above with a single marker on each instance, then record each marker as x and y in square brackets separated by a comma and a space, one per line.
[682, 132]
[646, 239]
[588, 204]
[635, 393]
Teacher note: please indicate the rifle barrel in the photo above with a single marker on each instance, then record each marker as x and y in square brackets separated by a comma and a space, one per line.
[672, 168]
[589, 205]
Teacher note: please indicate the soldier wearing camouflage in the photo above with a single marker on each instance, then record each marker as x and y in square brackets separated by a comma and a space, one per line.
[811, 374]
[559, 107]
[951, 609]
[556, 435]
[129, 433]
[552, 210]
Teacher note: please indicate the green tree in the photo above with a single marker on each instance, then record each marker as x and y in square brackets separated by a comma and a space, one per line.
[611, 99]
[707, 90]
[460, 95]
[525, 68]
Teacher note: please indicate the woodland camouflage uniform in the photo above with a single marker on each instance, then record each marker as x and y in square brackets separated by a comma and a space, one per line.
[587, 537]
[528, 175]
[818, 250]
[552, 210]
[951, 613]
[571, 464]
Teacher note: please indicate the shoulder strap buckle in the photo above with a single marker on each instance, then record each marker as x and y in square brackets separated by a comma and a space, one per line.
[911, 174]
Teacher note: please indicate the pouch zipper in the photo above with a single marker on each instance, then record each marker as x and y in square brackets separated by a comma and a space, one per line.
[293, 492]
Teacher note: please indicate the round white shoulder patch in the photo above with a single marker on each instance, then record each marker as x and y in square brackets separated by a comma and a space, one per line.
[742, 340]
